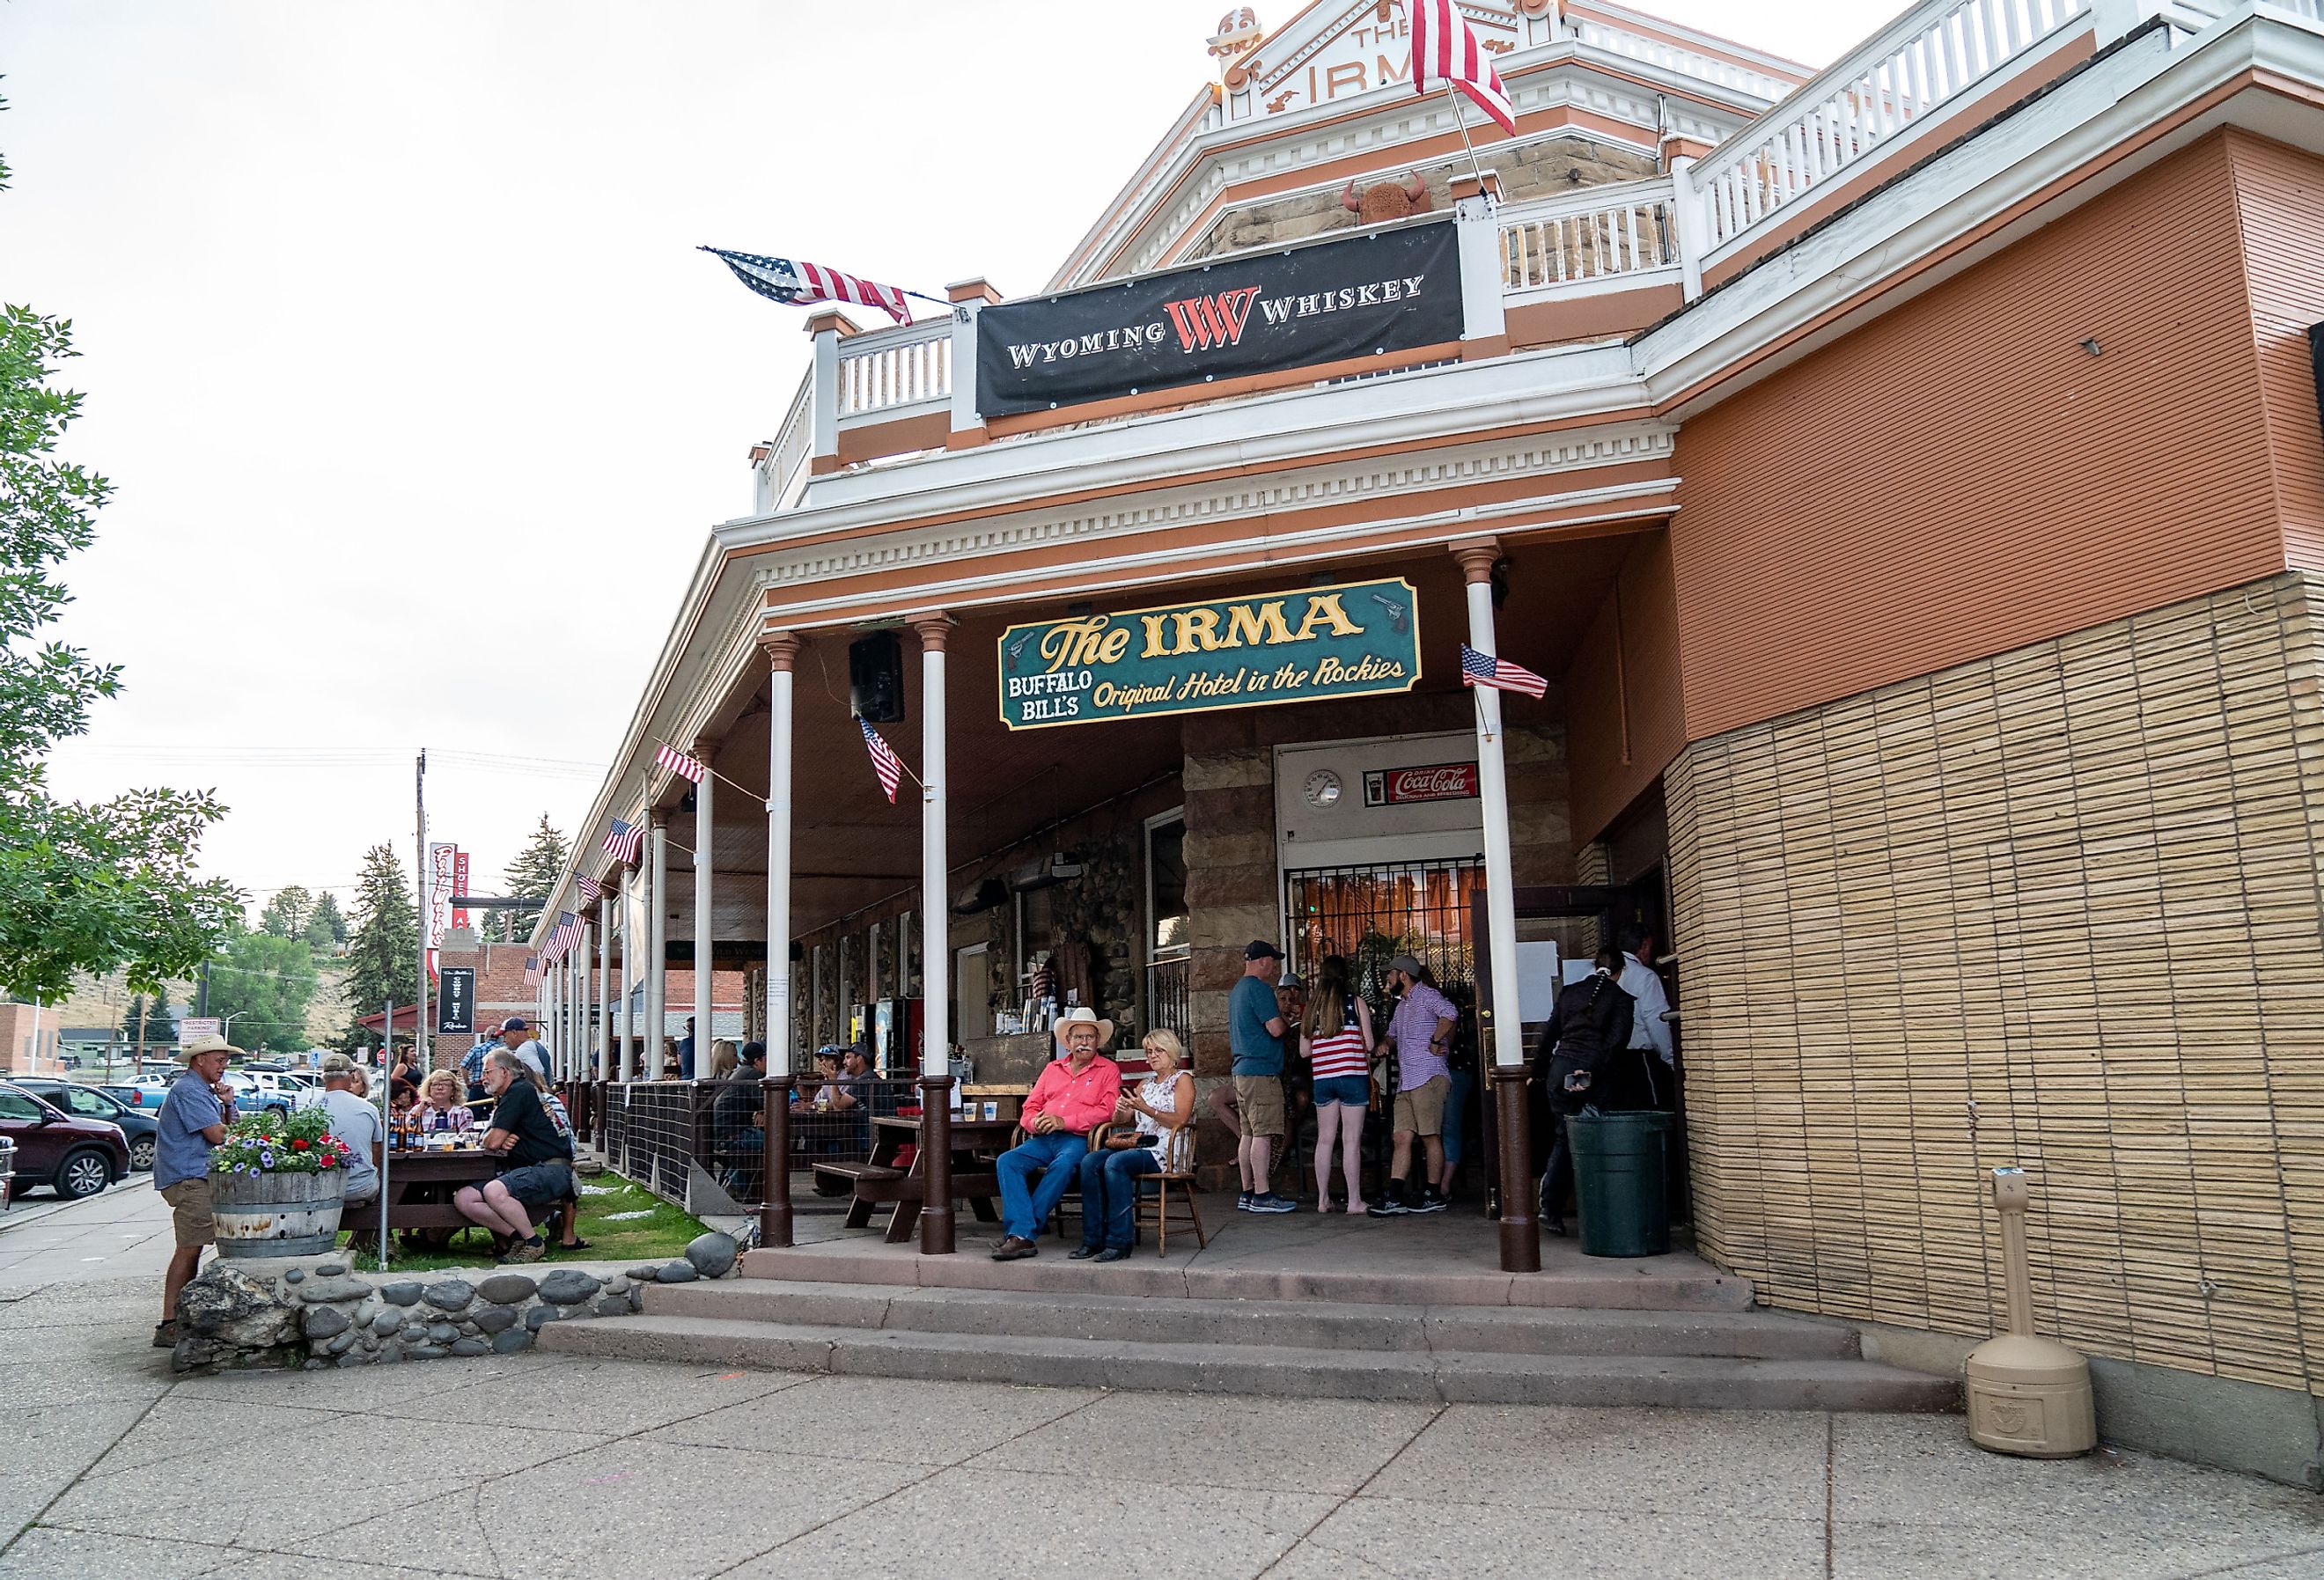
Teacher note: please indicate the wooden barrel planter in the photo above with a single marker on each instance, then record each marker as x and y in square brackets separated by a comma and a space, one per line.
[277, 1214]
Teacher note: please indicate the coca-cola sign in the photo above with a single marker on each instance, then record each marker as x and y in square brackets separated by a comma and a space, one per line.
[1436, 781]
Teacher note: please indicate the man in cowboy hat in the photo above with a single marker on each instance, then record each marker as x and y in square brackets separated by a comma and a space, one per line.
[194, 1116]
[1077, 1094]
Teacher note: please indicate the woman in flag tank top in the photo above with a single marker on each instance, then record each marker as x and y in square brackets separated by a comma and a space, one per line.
[1337, 1038]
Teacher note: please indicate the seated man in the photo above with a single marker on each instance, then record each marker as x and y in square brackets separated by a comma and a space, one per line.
[357, 1125]
[737, 1118]
[536, 1167]
[1075, 1094]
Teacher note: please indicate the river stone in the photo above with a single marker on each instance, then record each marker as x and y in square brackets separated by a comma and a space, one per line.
[319, 1291]
[619, 1284]
[567, 1286]
[471, 1346]
[386, 1323]
[315, 1366]
[429, 1353]
[613, 1305]
[354, 1358]
[403, 1292]
[297, 1275]
[510, 1342]
[343, 1344]
[367, 1310]
[413, 1332]
[332, 1269]
[644, 1275]
[713, 1254]
[325, 1322]
[677, 1273]
[391, 1352]
[541, 1317]
[506, 1288]
[228, 1307]
[495, 1319]
[451, 1295]
[441, 1333]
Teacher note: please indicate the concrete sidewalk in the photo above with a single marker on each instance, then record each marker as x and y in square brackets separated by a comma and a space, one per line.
[118, 1232]
[542, 1466]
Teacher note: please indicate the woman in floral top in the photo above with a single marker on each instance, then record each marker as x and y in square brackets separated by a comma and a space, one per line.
[1150, 1135]
[440, 1107]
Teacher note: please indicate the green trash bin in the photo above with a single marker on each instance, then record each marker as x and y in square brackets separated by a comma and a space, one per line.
[1618, 1182]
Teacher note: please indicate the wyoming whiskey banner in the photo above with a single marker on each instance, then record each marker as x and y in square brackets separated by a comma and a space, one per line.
[1359, 296]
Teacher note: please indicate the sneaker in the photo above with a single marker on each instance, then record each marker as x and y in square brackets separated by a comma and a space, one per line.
[532, 1250]
[1391, 1206]
[1242, 1202]
[1082, 1252]
[1430, 1201]
[1272, 1202]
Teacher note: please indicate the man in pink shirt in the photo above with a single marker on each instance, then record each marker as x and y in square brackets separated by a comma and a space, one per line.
[1075, 1094]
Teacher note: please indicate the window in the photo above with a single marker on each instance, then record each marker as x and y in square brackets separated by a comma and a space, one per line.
[16, 1105]
[1166, 886]
[80, 1100]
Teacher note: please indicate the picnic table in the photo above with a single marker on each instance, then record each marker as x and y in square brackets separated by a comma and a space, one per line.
[880, 1180]
[413, 1176]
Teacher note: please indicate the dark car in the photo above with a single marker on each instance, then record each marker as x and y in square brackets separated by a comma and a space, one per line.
[138, 1126]
[72, 1156]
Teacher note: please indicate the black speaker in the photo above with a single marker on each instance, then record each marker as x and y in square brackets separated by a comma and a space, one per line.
[875, 678]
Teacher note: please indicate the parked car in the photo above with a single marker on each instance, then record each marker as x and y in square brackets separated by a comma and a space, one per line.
[263, 1089]
[72, 1156]
[155, 1087]
[92, 1103]
[145, 1098]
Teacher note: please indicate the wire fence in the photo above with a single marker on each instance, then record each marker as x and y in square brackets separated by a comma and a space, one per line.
[659, 1133]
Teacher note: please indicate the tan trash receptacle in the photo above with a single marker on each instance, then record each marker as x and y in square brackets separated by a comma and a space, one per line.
[2027, 1394]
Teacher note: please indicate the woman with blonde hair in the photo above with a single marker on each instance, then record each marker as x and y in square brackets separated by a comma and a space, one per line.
[1337, 1038]
[1153, 1134]
[724, 1059]
[440, 1104]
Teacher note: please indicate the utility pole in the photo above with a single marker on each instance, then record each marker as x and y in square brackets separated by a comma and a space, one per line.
[202, 992]
[427, 881]
[142, 1002]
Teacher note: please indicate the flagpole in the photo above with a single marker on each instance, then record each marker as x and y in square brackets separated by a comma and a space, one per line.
[1452, 92]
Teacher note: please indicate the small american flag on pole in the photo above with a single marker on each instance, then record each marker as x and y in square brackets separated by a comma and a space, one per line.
[532, 971]
[567, 933]
[786, 281]
[1484, 669]
[679, 763]
[884, 761]
[590, 887]
[623, 840]
[1445, 52]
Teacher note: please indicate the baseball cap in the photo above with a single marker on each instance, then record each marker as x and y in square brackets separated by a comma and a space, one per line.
[1260, 949]
[513, 1023]
[338, 1064]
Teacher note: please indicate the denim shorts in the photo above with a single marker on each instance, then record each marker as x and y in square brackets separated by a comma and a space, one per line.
[1348, 1091]
[539, 1185]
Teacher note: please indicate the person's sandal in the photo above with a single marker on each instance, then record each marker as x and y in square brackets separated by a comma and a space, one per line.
[573, 1245]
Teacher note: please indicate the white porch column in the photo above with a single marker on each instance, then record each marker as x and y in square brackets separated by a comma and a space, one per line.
[705, 829]
[604, 1042]
[584, 1000]
[781, 649]
[657, 946]
[1501, 1017]
[935, 1019]
[628, 978]
[554, 1029]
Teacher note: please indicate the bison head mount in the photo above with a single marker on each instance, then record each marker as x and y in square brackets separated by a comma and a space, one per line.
[1385, 200]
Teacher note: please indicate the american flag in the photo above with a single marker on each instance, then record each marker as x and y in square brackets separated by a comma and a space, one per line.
[1484, 669]
[567, 933]
[532, 971]
[623, 840]
[679, 763]
[884, 761]
[1444, 51]
[783, 280]
[590, 887]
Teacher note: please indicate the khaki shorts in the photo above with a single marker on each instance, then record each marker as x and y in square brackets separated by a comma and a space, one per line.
[189, 1212]
[1259, 1104]
[1421, 1111]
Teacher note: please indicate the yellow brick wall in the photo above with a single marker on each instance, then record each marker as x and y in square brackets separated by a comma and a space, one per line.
[2058, 907]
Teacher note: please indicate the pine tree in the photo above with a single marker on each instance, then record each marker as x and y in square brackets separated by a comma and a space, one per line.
[383, 951]
[329, 916]
[534, 872]
[286, 914]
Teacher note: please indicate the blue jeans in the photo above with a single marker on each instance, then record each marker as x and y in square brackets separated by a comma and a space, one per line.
[1025, 1206]
[1110, 1196]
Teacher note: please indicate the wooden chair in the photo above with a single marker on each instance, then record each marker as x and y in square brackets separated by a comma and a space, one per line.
[1072, 1197]
[1181, 1174]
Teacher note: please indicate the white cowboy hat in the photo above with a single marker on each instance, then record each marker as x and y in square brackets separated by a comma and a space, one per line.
[213, 1043]
[1083, 1015]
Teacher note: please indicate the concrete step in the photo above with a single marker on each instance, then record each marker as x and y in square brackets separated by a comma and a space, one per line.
[1465, 1377]
[1665, 1284]
[1543, 1330]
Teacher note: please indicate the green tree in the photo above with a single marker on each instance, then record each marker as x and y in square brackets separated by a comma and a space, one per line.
[532, 873]
[89, 888]
[384, 950]
[328, 917]
[286, 914]
[264, 983]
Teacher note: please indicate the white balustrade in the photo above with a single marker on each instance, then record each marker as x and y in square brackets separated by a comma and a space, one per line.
[1932, 56]
[1671, 57]
[787, 457]
[906, 365]
[1601, 234]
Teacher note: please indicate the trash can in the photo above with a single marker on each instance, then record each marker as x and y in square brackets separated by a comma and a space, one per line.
[1618, 1182]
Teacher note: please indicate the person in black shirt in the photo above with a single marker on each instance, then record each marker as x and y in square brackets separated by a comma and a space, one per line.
[1586, 1061]
[536, 1168]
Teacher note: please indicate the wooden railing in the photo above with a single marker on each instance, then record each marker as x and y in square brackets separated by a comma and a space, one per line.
[908, 365]
[1928, 59]
[1603, 234]
[1671, 57]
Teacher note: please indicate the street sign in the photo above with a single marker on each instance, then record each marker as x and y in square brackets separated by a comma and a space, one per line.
[455, 1000]
[194, 1026]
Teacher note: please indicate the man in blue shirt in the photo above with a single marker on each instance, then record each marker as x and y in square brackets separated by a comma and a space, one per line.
[1255, 1028]
[686, 1052]
[193, 1119]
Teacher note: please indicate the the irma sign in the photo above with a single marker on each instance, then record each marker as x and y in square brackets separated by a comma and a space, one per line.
[1356, 639]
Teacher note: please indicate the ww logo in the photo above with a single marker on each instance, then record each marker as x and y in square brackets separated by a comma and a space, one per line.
[1205, 322]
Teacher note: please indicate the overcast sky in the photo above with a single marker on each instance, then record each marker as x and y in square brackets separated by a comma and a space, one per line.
[417, 399]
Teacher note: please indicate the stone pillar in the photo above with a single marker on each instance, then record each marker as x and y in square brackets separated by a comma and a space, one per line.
[782, 650]
[935, 1019]
[1233, 895]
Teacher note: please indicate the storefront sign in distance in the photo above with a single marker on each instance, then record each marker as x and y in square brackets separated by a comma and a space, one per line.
[1437, 781]
[1353, 638]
